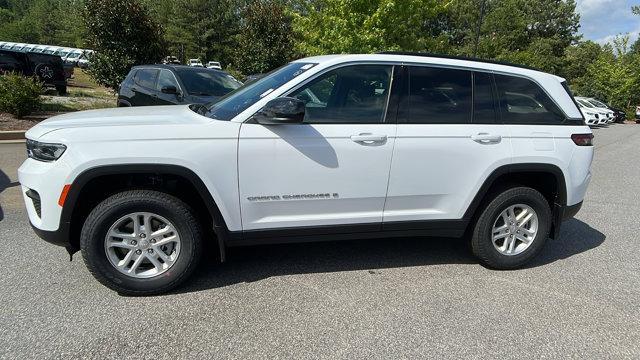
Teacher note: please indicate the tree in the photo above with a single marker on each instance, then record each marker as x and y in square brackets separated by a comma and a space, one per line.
[266, 39]
[365, 26]
[614, 76]
[534, 33]
[200, 28]
[123, 35]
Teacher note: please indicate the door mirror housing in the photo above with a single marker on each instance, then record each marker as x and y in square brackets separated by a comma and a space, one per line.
[169, 89]
[282, 110]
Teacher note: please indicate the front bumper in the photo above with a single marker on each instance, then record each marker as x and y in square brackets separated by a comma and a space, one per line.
[42, 184]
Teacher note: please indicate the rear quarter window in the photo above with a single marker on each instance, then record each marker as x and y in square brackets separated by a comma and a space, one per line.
[522, 101]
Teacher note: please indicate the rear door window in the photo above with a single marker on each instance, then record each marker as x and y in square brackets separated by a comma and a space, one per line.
[522, 101]
[146, 78]
[439, 96]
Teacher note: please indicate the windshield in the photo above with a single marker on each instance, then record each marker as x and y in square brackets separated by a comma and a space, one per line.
[205, 82]
[73, 55]
[239, 100]
[598, 104]
[584, 103]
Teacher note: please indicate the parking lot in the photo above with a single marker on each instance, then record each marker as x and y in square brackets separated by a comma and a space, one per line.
[400, 298]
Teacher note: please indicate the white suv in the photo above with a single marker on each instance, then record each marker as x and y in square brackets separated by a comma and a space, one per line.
[324, 148]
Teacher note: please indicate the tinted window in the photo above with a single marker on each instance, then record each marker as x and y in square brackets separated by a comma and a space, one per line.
[351, 94]
[205, 82]
[146, 78]
[523, 102]
[166, 78]
[483, 102]
[240, 99]
[439, 96]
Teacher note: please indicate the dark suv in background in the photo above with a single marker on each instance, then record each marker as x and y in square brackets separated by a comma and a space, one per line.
[174, 84]
[48, 68]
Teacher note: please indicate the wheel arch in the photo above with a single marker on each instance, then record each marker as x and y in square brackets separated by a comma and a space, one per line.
[546, 178]
[82, 194]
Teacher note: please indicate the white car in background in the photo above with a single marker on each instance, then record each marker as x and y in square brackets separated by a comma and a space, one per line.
[214, 65]
[609, 116]
[602, 105]
[85, 58]
[591, 117]
[602, 113]
[195, 62]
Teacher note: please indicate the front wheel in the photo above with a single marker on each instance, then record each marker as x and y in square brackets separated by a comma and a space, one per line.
[141, 242]
[512, 228]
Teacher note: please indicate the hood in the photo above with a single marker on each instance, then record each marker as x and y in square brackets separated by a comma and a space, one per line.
[143, 115]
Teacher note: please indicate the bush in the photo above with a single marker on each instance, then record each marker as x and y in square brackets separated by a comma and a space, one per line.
[19, 95]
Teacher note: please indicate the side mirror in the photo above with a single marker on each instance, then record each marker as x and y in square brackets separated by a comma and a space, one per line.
[169, 89]
[283, 110]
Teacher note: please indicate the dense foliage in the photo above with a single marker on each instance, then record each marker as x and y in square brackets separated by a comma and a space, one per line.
[19, 95]
[254, 36]
[123, 34]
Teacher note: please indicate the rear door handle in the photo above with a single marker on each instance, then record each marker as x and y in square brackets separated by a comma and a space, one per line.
[486, 138]
[367, 138]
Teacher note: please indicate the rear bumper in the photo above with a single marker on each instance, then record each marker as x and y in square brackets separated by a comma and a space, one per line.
[562, 213]
[570, 211]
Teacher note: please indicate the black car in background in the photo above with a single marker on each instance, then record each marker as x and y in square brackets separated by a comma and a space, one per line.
[174, 84]
[619, 115]
[48, 68]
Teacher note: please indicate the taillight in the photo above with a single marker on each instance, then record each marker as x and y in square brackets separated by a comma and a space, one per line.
[582, 139]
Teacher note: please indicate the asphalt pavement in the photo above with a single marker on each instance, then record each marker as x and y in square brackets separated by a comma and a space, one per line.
[389, 298]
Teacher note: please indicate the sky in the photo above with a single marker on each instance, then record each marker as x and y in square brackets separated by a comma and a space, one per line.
[602, 20]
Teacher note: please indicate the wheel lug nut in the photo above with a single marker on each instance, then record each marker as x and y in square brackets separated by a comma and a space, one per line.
[153, 241]
[143, 235]
[150, 251]
[133, 242]
[138, 252]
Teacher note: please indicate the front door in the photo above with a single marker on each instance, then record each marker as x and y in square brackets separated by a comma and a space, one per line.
[166, 78]
[331, 170]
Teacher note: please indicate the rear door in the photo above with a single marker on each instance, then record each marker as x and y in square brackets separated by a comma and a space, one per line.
[331, 170]
[448, 142]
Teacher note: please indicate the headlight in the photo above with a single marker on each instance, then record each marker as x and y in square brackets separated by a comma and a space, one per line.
[44, 151]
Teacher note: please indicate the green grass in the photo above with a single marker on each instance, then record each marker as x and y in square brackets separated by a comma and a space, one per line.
[76, 106]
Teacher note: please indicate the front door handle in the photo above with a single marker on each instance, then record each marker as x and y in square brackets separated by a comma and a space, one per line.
[486, 138]
[367, 138]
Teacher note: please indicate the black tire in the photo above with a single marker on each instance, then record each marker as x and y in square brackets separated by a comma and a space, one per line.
[92, 241]
[61, 89]
[481, 239]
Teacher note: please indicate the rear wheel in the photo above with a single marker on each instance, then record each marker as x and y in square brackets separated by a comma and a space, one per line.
[512, 228]
[141, 242]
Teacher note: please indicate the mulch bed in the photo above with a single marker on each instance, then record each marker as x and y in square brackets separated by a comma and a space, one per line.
[10, 122]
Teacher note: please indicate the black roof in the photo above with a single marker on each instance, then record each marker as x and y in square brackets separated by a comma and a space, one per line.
[173, 67]
[453, 57]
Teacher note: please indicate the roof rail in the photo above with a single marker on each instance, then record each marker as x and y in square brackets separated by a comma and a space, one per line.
[454, 57]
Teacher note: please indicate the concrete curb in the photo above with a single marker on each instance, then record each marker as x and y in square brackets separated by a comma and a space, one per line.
[12, 135]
